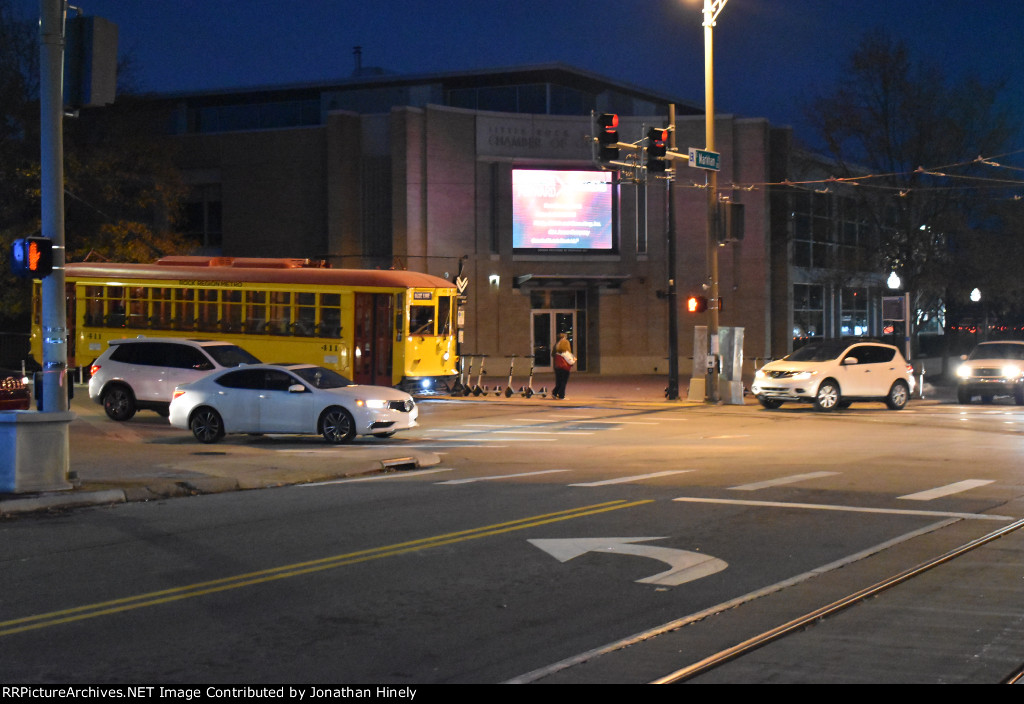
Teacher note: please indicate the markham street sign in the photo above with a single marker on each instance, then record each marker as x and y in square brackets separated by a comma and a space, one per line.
[703, 159]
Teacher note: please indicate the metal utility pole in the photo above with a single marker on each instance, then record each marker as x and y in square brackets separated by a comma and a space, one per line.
[51, 125]
[672, 391]
[711, 10]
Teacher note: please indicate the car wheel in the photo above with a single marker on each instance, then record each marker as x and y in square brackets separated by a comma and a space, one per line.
[898, 396]
[119, 402]
[206, 425]
[769, 402]
[337, 426]
[963, 396]
[827, 397]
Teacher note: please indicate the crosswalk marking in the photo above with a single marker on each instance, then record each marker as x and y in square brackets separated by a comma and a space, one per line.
[854, 509]
[939, 492]
[470, 480]
[779, 481]
[633, 478]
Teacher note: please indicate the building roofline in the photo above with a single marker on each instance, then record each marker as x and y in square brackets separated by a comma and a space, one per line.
[544, 72]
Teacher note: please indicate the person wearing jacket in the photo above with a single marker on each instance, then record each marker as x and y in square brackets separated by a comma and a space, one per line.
[563, 363]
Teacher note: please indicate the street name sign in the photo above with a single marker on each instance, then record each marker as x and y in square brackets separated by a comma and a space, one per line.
[703, 159]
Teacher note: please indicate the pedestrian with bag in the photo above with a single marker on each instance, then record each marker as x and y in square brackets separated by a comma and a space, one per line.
[563, 362]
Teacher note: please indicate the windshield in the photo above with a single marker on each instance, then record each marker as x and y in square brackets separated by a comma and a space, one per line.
[818, 351]
[321, 378]
[998, 350]
[229, 355]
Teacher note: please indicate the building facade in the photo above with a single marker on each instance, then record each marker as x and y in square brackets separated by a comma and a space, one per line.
[489, 178]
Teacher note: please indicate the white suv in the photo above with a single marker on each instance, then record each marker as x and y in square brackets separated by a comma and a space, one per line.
[834, 373]
[992, 369]
[141, 373]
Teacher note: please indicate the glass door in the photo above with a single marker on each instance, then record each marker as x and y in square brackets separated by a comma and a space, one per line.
[547, 325]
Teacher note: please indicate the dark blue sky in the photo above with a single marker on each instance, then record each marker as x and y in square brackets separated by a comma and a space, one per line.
[770, 54]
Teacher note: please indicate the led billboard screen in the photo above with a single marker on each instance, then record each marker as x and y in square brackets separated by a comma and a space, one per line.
[562, 210]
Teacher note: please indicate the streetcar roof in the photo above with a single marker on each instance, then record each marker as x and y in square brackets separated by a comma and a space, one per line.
[253, 270]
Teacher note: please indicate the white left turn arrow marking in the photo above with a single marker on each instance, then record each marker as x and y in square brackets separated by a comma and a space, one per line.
[685, 566]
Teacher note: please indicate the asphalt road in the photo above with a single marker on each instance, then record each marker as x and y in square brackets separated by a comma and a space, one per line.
[559, 542]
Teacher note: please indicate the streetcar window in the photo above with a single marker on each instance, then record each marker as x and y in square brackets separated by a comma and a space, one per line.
[421, 320]
[305, 315]
[255, 311]
[279, 320]
[231, 311]
[330, 315]
[444, 315]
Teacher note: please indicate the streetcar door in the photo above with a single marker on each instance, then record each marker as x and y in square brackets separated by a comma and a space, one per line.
[372, 342]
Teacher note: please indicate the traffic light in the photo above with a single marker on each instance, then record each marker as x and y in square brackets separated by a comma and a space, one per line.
[608, 138]
[32, 257]
[696, 304]
[657, 139]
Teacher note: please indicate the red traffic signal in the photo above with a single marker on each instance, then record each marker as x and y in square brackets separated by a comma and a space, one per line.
[657, 139]
[32, 257]
[608, 137]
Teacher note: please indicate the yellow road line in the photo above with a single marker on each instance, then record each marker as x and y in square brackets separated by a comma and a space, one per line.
[81, 613]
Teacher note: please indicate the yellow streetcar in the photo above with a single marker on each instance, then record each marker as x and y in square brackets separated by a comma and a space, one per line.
[385, 327]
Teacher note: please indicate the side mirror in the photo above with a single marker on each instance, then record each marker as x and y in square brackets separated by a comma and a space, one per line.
[851, 360]
[296, 389]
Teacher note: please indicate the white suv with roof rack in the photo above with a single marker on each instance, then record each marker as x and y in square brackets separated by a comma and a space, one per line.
[141, 373]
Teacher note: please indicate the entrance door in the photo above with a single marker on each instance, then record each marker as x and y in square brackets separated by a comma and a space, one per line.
[372, 339]
[547, 324]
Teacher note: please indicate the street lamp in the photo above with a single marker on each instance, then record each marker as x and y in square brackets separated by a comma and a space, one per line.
[711, 10]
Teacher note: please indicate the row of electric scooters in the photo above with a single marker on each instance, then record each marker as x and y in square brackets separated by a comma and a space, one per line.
[464, 385]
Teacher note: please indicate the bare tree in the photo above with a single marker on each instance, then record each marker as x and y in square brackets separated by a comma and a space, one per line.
[910, 137]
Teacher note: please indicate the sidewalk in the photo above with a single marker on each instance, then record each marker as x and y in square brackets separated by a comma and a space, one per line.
[168, 465]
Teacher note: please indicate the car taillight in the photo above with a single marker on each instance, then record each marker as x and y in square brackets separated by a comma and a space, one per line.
[177, 393]
[93, 369]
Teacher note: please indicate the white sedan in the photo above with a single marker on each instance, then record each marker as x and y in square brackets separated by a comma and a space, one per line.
[289, 399]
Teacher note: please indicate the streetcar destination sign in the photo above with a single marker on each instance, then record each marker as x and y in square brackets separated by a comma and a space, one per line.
[703, 159]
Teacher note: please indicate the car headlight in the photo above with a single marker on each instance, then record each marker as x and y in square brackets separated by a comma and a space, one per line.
[803, 376]
[1011, 371]
[759, 374]
[372, 403]
[963, 371]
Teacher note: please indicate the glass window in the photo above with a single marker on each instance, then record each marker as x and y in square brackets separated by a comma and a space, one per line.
[255, 311]
[444, 315]
[279, 313]
[330, 315]
[808, 310]
[421, 320]
[305, 314]
[242, 379]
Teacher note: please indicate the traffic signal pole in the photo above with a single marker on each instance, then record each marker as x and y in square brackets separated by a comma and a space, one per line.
[672, 390]
[51, 124]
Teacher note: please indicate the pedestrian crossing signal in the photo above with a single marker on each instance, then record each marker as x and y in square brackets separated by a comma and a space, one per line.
[32, 257]
[696, 304]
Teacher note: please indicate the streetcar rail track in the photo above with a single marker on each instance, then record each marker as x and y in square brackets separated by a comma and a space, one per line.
[751, 644]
